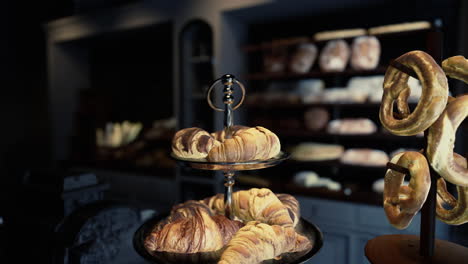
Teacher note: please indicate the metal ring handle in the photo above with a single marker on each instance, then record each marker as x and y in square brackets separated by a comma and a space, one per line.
[210, 103]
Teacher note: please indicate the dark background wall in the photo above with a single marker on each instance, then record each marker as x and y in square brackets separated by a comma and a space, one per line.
[24, 137]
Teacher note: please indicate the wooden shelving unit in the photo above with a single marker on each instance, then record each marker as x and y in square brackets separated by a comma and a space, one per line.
[292, 109]
[313, 74]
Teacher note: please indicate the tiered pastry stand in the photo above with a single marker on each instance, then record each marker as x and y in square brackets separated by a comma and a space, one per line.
[229, 170]
[412, 249]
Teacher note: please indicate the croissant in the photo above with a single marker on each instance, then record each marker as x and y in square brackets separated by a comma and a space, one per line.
[199, 233]
[193, 143]
[256, 242]
[259, 205]
[246, 144]
[183, 210]
[292, 205]
[221, 135]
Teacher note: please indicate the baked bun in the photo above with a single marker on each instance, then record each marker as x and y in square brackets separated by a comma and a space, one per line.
[316, 119]
[334, 56]
[308, 151]
[365, 53]
[303, 59]
[351, 126]
[193, 143]
[365, 157]
[256, 143]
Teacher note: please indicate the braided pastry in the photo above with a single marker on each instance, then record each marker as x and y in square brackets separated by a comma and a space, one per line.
[193, 143]
[456, 67]
[401, 203]
[257, 205]
[441, 140]
[256, 242]
[199, 233]
[432, 102]
[256, 143]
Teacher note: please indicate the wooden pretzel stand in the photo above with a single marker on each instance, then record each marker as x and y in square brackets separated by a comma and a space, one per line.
[413, 249]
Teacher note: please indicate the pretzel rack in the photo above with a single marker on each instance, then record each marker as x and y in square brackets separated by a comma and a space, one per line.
[425, 248]
[229, 168]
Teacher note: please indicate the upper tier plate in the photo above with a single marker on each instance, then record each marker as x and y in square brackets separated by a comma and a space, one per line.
[203, 164]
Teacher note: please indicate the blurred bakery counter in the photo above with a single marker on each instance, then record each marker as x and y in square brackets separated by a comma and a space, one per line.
[147, 186]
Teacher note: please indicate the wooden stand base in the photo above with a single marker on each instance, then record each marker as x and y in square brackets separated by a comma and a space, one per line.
[404, 249]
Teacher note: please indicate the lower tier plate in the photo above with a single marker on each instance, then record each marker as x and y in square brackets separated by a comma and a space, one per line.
[304, 227]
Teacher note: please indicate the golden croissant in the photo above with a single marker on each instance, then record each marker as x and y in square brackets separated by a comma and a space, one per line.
[183, 210]
[257, 241]
[193, 143]
[254, 143]
[259, 205]
[199, 233]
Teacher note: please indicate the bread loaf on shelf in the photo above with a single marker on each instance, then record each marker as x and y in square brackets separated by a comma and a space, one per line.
[365, 53]
[309, 151]
[303, 59]
[256, 242]
[316, 118]
[334, 56]
[351, 126]
[365, 157]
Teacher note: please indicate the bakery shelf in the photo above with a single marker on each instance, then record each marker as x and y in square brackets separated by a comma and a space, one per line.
[305, 134]
[343, 171]
[276, 43]
[356, 195]
[299, 163]
[402, 33]
[313, 74]
[290, 105]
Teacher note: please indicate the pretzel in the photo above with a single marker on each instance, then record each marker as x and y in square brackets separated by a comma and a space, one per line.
[456, 67]
[441, 141]
[458, 214]
[431, 104]
[401, 203]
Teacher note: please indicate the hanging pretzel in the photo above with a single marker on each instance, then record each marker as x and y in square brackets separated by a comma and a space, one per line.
[441, 141]
[431, 104]
[456, 67]
[458, 214]
[401, 203]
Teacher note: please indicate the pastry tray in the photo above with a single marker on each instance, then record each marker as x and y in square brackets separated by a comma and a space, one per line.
[304, 227]
[203, 164]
